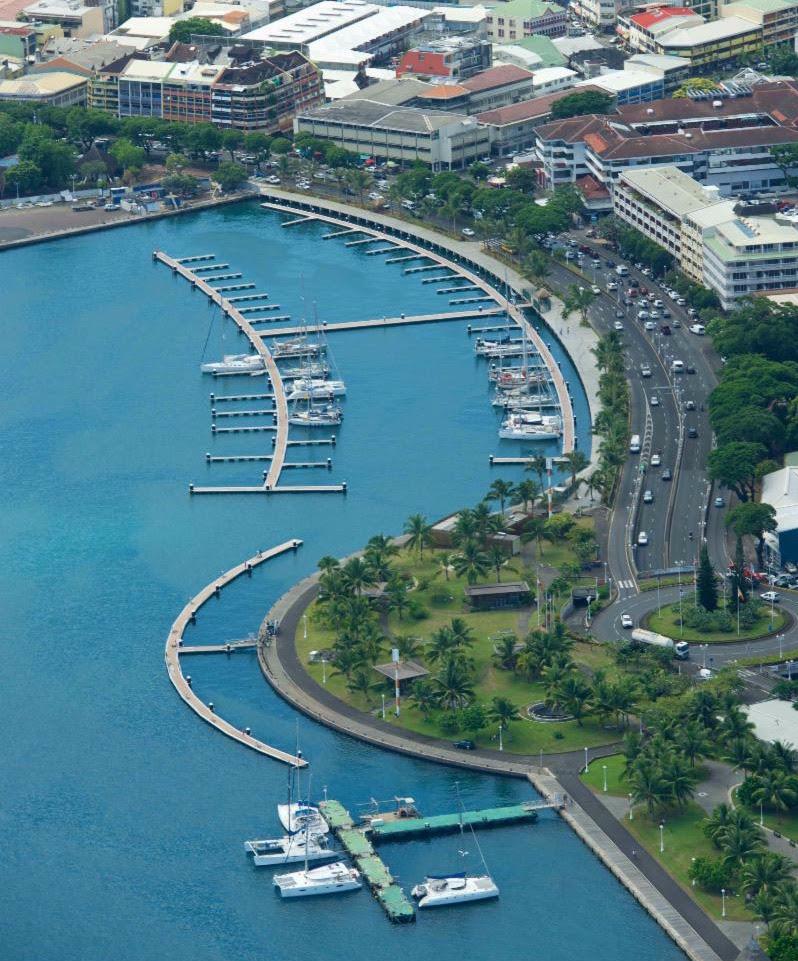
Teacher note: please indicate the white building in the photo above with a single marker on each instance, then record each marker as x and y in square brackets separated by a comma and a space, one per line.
[780, 490]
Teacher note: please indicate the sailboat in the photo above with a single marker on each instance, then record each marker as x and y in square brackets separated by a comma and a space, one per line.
[309, 386]
[335, 878]
[235, 364]
[439, 890]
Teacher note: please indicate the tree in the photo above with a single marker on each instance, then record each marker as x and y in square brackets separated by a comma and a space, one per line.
[528, 491]
[538, 465]
[424, 696]
[358, 181]
[785, 157]
[360, 683]
[785, 914]
[473, 718]
[84, 125]
[471, 562]
[127, 155]
[500, 490]
[503, 712]
[648, 786]
[734, 466]
[576, 462]
[229, 176]
[358, 574]
[706, 581]
[578, 104]
[419, 533]
[523, 179]
[573, 694]
[578, 300]
[695, 85]
[534, 530]
[504, 651]
[182, 30]
[753, 520]
[766, 873]
[498, 558]
[232, 139]
[452, 685]
[26, 176]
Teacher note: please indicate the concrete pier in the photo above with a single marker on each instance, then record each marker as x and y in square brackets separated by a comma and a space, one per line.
[393, 321]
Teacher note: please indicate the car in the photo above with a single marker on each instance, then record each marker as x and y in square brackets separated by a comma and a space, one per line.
[666, 474]
[648, 497]
[698, 329]
[595, 289]
[596, 262]
[626, 621]
[677, 323]
[618, 325]
[655, 401]
[645, 371]
[704, 673]
[646, 271]
[112, 206]
[464, 745]
[692, 312]
[274, 179]
[681, 301]
[677, 366]
[690, 405]
[374, 195]
[772, 597]
[666, 314]
[642, 538]
[634, 283]
[611, 263]
[468, 232]
[655, 315]
[690, 369]
[643, 315]
[656, 460]
[611, 285]
[720, 502]
[650, 325]
[692, 432]
[665, 330]
[570, 255]
[620, 314]
[658, 303]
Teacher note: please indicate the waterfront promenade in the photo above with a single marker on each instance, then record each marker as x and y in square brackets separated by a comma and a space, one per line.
[458, 266]
[681, 917]
[174, 648]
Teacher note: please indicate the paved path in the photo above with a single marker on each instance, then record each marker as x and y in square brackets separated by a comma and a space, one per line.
[463, 267]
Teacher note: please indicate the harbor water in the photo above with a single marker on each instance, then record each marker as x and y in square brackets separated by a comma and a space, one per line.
[122, 814]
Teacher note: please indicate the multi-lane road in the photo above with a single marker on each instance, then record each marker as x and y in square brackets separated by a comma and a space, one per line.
[674, 518]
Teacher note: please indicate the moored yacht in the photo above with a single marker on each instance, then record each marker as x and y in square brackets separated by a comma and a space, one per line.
[296, 347]
[289, 849]
[320, 370]
[235, 364]
[438, 891]
[317, 386]
[327, 416]
[515, 427]
[332, 878]
[299, 816]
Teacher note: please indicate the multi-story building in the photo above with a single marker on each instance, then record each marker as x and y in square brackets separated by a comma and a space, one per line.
[444, 141]
[262, 95]
[724, 141]
[778, 19]
[54, 89]
[17, 40]
[103, 90]
[514, 19]
[446, 59]
[673, 70]
[597, 13]
[706, 45]
[501, 85]
[642, 31]
[627, 85]
[74, 18]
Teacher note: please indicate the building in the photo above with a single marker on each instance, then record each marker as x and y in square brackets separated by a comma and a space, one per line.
[641, 32]
[722, 141]
[599, 14]
[488, 597]
[750, 254]
[656, 202]
[54, 89]
[777, 19]
[673, 70]
[780, 490]
[501, 85]
[531, 53]
[103, 89]
[446, 59]
[693, 226]
[82, 57]
[708, 44]
[17, 40]
[303, 27]
[514, 19]
[75, 19]
[444, 141]
[627, 86]
[141, 33]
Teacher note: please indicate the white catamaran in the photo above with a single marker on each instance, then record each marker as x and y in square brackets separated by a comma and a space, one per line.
[289, 849]
[335, 878]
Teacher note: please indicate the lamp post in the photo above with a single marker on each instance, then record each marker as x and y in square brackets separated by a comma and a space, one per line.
[604, 769]
[661, 838]
[693, 881]
[631, 808]
[761, 816]
[305, 626]
[586, 761]
[383, 707]
[723, 902]
[324, 670]
[501, 745]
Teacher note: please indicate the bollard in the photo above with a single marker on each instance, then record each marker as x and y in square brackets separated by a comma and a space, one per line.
[207, 457]
[490, 460]
[213, 428]
[274, 440]
[344, 487]
[468, 329]
[213, 411]
[329, 463]
[210, 705]
[213, 397]
[332, 440]
[193, 617]
[188, 680]
[247, 731]
[191, 488]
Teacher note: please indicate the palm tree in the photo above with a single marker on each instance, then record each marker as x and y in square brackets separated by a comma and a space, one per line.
[497, 558]
[504, 653]
[398, 601]
[462, 634]
[528, 491]
[775, 789]
[578, 300]
[736, 724]
[534, 530]
[500, 490]
[452, 685]
[358, 574]
[785, 913]
[693, 741]
[360, 683]
[763, 905]
[328, 563]
[574, 694]
[358, 180]
[784, 756]
[537, 265]
[441, 645]
[409, 646]
[681, 777]
[347, 661]
[537, 465]
[503, 712]
[485, 523]
[765, 873]
[445, 563]
[577, 462]
[471, 563]
[419, 533]
[649, 787]
[379, 550]
[739, 843]
[423, 696]
[465, 527]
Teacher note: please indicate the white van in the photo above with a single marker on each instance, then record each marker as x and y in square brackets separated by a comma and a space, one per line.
[677, 367]
[622, 270]
[634, 444]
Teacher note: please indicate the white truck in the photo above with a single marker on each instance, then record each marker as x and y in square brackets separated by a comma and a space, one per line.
[680, 649]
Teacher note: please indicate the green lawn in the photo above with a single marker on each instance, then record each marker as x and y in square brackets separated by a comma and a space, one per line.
[667, 622]
[595, 775]
[785, 822]
[684, 840]
[443, 599]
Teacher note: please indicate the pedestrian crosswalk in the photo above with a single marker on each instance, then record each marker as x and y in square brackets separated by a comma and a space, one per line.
[626, 585]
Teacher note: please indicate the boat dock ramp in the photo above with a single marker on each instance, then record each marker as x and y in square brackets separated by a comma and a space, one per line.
[358, 840]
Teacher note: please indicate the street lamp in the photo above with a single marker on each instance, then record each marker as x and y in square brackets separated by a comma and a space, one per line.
[501, 745]
[761, 816]
[604, 769]
[662, 838]
[383, 707]
[324, 670]
[693, 881]
[723, 902]
[631, 808]
[586, 761]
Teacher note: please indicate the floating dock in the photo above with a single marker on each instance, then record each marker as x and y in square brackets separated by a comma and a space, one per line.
[398, 829]
[395, 321]
[374, 870]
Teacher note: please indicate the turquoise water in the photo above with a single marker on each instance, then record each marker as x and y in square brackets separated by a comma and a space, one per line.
[122, 814]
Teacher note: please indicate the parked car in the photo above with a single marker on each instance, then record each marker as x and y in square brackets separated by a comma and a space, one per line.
[650, 325]
[464, 745]
[645, 371]
[595, 289]
[665, 330]
[618, 325]
[468, 232]
[692, 432]
[690, 405]
[698, 329]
